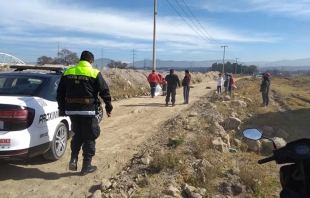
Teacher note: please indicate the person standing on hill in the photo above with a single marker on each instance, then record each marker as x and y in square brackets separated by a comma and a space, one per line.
[186, 86]
[77, 97]
[153, 79]
[264, 89]
[173, 81]
[267, 75]
[219, 83]
[231, 84]
[226, 82]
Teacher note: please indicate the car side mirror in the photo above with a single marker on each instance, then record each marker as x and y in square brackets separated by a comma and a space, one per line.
[252, 134]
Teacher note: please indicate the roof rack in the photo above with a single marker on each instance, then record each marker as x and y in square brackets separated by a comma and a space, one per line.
[57, 69]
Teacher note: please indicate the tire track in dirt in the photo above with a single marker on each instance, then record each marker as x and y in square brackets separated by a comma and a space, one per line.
[134, 121]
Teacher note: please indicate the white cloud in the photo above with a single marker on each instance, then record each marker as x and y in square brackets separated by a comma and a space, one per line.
[299, 9]
[47, 16]
[51, 21]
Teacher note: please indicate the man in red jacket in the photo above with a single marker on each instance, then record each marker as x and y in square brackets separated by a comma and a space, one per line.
[153, 79]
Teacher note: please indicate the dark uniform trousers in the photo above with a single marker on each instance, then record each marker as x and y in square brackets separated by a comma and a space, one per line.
[86, 131]
[171, 90]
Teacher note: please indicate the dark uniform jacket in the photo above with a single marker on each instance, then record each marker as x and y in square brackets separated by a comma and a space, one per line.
[264, 87]
[78, 89]
[172, 80]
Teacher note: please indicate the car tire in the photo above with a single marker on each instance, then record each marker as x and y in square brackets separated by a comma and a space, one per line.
[99, 116]
[58, 144]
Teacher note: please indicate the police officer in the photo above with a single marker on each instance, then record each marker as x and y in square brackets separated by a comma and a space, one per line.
[77, 97]
[172, 80]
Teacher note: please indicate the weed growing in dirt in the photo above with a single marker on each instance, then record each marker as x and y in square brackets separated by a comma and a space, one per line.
[177, 142]
[164, 160]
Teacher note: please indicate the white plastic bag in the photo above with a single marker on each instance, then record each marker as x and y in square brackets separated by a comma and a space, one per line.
[157, 90]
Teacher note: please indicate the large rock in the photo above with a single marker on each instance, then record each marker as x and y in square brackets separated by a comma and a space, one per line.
[193, 192]
[268, 131]
[218, 129]
[226, 98]
[105, 184]
[280, 142]
[219, 145]
[267, 147]
[172, 191]
[247, 100]
[281, 133]
[232, 123]
[253, 145]
[97, 194]
[238, 103]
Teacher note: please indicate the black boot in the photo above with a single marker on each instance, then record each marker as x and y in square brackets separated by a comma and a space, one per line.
[73, 164]
[87, 168]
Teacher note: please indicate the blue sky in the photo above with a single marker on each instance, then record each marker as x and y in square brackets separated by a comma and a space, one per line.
[192, 30]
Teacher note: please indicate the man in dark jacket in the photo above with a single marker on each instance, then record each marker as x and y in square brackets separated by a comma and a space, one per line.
[172, 80]
[77, 97]
[186, 86]
[264, 89]
[267, 76]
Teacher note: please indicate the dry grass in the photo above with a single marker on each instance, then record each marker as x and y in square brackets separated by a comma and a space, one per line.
[161, 161]
[288, 109]
[259, 180]
[262, 180]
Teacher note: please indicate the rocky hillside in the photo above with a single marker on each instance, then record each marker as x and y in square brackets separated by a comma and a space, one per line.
[201, 153]
[130, 83]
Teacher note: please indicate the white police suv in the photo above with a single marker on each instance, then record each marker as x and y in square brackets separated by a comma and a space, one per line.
[29, 120]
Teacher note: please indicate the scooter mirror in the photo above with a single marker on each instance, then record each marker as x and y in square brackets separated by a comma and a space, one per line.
[252, 134]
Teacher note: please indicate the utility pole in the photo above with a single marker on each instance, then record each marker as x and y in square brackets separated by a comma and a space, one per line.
[224, 46]
[154, 35]
[236, 65]
[133, 57]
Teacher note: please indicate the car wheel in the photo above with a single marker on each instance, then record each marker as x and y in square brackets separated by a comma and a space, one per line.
[99, 116]
[59, 143]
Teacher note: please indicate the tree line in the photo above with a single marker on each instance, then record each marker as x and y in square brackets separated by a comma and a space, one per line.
[67, 57]
[234, 68]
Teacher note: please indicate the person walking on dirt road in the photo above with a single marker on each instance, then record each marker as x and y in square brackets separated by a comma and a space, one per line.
[153, 79]
[77, 97]
[172, 80]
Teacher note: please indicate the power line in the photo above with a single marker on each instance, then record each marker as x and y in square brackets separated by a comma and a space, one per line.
[211, 42]
[200, 23]
[188, 23]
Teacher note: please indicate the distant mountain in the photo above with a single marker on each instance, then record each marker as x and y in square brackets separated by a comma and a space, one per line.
[102, 62]
[297, 62]
[172, 64]
[207, 63]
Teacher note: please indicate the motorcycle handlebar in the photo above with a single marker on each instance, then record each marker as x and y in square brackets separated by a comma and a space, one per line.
[265, 160]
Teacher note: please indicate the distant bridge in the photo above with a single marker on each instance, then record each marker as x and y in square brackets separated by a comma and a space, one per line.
[7, 59]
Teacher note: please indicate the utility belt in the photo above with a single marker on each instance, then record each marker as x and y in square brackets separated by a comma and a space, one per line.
[80, 100]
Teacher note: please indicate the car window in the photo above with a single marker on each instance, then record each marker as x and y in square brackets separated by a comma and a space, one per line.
[19, 85]
[54, 90]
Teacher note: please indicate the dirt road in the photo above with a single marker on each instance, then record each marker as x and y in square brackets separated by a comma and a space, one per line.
[133, 121]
